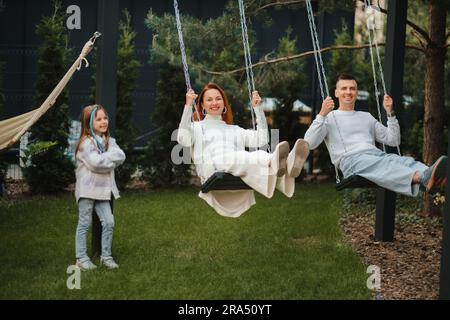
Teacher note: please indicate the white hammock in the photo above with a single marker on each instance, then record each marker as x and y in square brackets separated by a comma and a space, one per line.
[13, 128]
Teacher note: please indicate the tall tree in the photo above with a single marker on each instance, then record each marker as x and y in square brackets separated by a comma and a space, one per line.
[127, 73]
[283, 82]
[158, 168]
[223, 40]
[51, 171]
[435, 51]
[341, 61]
[2, 95]
[3, 164]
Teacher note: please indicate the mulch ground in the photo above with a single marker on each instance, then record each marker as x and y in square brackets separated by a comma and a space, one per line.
[410, 265]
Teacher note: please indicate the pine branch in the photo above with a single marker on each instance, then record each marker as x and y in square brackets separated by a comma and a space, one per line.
[279, 3]
[421, 31]
[302, 55]
[417, 36]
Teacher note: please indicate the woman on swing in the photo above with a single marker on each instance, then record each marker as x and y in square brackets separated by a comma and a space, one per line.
[218, 145]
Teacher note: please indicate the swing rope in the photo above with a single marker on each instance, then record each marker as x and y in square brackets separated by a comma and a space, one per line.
[187, 78]
[317, 54]
[248, 59]
[321, 74]
[371, 27]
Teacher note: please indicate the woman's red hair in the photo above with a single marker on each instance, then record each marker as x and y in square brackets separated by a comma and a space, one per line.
[227, 116]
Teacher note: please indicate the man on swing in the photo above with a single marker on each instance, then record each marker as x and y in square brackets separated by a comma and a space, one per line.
[350, 138]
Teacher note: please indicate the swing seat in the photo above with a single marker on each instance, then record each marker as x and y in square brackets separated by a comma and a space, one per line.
[223, 181]
[354, 182]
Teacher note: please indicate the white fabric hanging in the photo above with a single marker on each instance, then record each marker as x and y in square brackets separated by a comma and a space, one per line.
[13, 128]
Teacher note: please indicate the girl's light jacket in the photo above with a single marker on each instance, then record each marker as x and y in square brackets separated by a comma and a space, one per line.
[95, 171]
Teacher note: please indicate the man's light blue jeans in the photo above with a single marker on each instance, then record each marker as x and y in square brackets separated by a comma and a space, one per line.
[387, 170]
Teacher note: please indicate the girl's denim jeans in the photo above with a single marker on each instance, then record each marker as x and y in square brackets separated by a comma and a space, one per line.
[103, 210]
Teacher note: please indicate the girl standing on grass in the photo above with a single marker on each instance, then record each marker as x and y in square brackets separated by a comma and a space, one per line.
[97, 155]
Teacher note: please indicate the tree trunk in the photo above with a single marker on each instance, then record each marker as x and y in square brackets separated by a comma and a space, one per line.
[433, 124]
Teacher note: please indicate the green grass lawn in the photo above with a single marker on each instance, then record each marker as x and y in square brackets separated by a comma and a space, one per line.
[171, 245]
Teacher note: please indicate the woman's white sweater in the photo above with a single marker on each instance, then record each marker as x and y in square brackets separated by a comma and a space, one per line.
[212, 140]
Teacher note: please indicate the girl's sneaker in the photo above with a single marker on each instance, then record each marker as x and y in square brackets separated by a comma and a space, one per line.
[109, 262]
[85, 265]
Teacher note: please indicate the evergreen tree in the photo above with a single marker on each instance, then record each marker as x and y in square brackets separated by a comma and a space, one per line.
[2, 96]
[285, 118]
[127, 73]
[158, 167]
[341, 61]
[51, 171]
[223, 39]
[3, 164]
